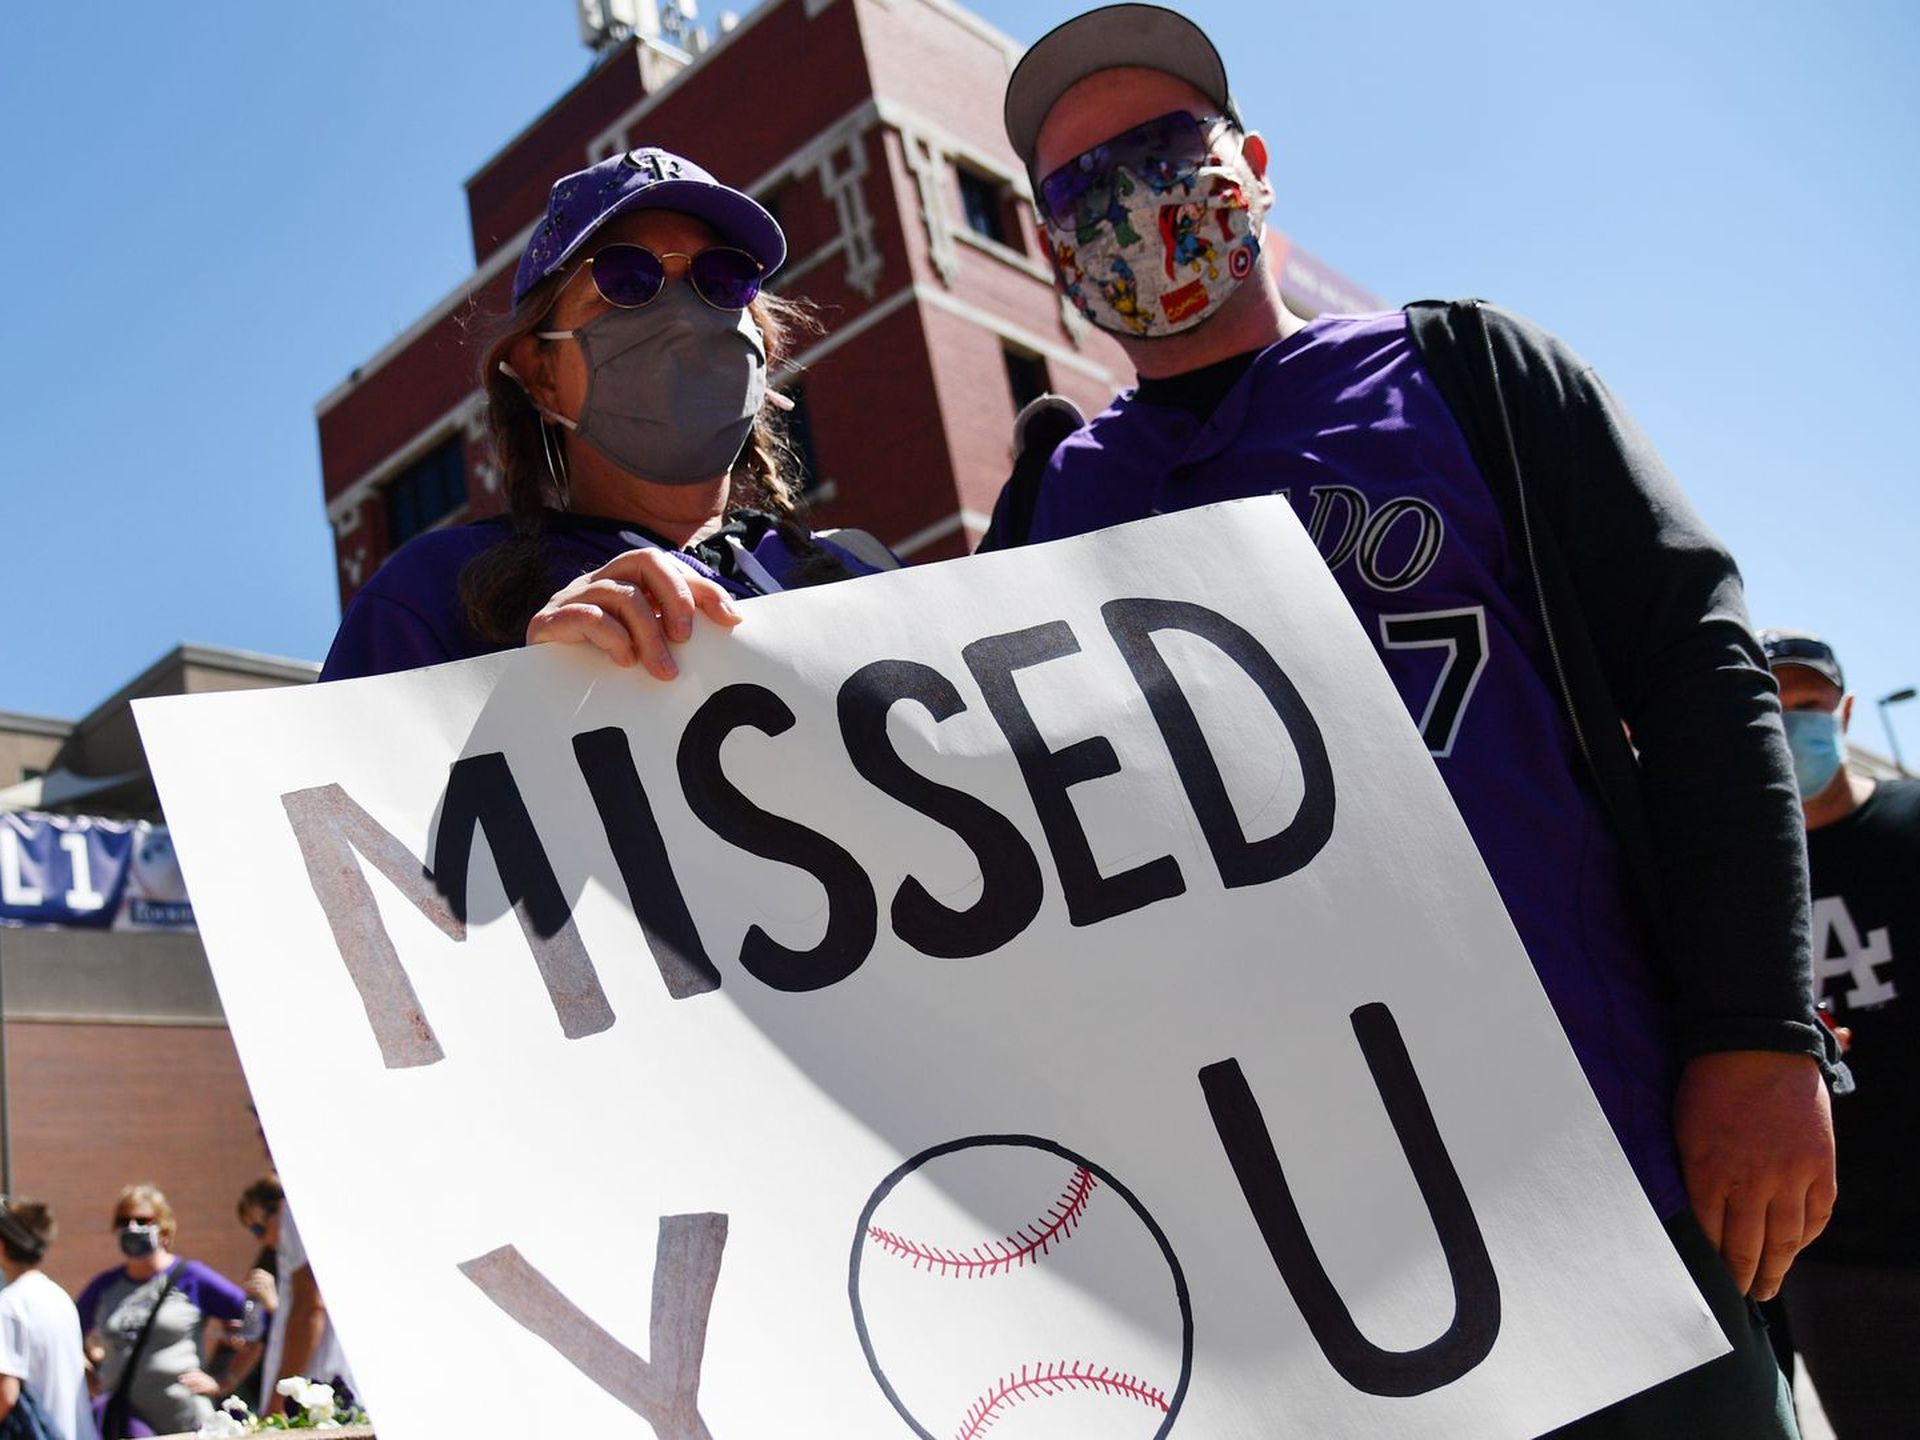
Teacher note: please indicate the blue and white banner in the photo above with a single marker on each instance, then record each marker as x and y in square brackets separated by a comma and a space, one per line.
[91, 873]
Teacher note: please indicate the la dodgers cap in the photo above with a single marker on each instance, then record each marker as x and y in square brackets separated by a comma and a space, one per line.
[1797, 647]
[644, 179]
[1149, 36]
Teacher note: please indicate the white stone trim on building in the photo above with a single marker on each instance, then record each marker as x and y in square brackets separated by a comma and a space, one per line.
[1018, 334]
[841, 169]
[928, 165]
[928, 534]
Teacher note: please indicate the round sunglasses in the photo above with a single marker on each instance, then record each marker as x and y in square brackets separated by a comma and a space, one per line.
[630, 276]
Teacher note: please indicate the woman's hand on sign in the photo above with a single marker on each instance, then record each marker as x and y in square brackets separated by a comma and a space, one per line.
[634, 608]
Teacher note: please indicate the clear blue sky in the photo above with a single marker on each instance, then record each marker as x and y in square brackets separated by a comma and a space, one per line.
[214, 210]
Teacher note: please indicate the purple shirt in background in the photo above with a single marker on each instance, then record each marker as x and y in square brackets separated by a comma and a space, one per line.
[117, 1308]
[1343, 419]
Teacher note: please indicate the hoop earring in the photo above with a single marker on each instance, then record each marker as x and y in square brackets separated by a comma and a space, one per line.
[556, 467]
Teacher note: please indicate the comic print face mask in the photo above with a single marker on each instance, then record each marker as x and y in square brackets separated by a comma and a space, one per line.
[1152, 230]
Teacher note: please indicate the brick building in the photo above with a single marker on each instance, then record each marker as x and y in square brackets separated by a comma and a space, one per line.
[117, 1062]
[874, 135]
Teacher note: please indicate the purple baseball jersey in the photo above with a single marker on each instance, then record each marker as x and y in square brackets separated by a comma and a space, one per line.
[1343, 419]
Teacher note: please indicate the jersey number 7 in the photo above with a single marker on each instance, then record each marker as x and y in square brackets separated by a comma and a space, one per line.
[1463, 634]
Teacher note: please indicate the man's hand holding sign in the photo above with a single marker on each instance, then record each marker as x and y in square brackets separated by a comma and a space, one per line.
[1088, 926]
[1756, 1140]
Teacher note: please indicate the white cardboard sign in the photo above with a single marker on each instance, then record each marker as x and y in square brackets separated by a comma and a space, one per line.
[1050, 992]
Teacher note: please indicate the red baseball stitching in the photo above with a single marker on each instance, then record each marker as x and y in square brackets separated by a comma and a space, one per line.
[996, 1257]
[1051, 1380]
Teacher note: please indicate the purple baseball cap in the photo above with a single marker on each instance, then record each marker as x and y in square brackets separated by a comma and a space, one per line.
[645, 179]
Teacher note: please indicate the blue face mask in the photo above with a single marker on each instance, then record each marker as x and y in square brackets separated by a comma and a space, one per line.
[1818, 750]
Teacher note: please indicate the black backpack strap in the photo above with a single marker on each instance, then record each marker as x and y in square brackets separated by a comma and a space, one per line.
[1485, 379]
[863, 545]
[1037, 432]
[1458, 348]
[119, 1406]
[1453, 340]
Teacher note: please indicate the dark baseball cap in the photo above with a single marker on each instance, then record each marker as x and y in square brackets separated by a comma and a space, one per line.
[1149, 36]
[645, 179]
[1797, 647]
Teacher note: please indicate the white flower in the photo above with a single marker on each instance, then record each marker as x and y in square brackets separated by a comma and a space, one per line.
[289, 1385]
[235, 1405]
[223, 1426]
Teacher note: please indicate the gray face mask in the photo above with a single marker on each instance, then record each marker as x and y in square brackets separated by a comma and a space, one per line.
[672, 387]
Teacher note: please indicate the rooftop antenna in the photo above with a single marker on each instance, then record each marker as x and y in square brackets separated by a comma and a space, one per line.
[674, 24]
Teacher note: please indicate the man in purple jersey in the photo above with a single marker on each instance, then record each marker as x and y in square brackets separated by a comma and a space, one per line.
[1538, 590]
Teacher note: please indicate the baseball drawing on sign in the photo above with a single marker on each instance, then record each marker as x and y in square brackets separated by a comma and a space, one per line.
[1004, 1283]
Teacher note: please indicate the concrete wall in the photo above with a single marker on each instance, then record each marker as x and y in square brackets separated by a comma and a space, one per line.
[106, 741]
[28, 742]
[107, 976]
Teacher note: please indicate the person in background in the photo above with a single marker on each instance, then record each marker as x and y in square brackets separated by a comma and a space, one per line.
[41, 1364]
[256, 1208]
[235, 1361]
[1476, 491]
[145, 1320]
[647, 477]
[302, 1341]
[1853, 1300]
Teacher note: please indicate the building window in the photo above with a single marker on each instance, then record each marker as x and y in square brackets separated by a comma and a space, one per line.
[427, 491]
[985, 202]
[1026, 377]
[805, 460]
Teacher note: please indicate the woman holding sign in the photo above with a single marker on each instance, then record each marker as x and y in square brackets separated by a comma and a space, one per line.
[631, 417]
